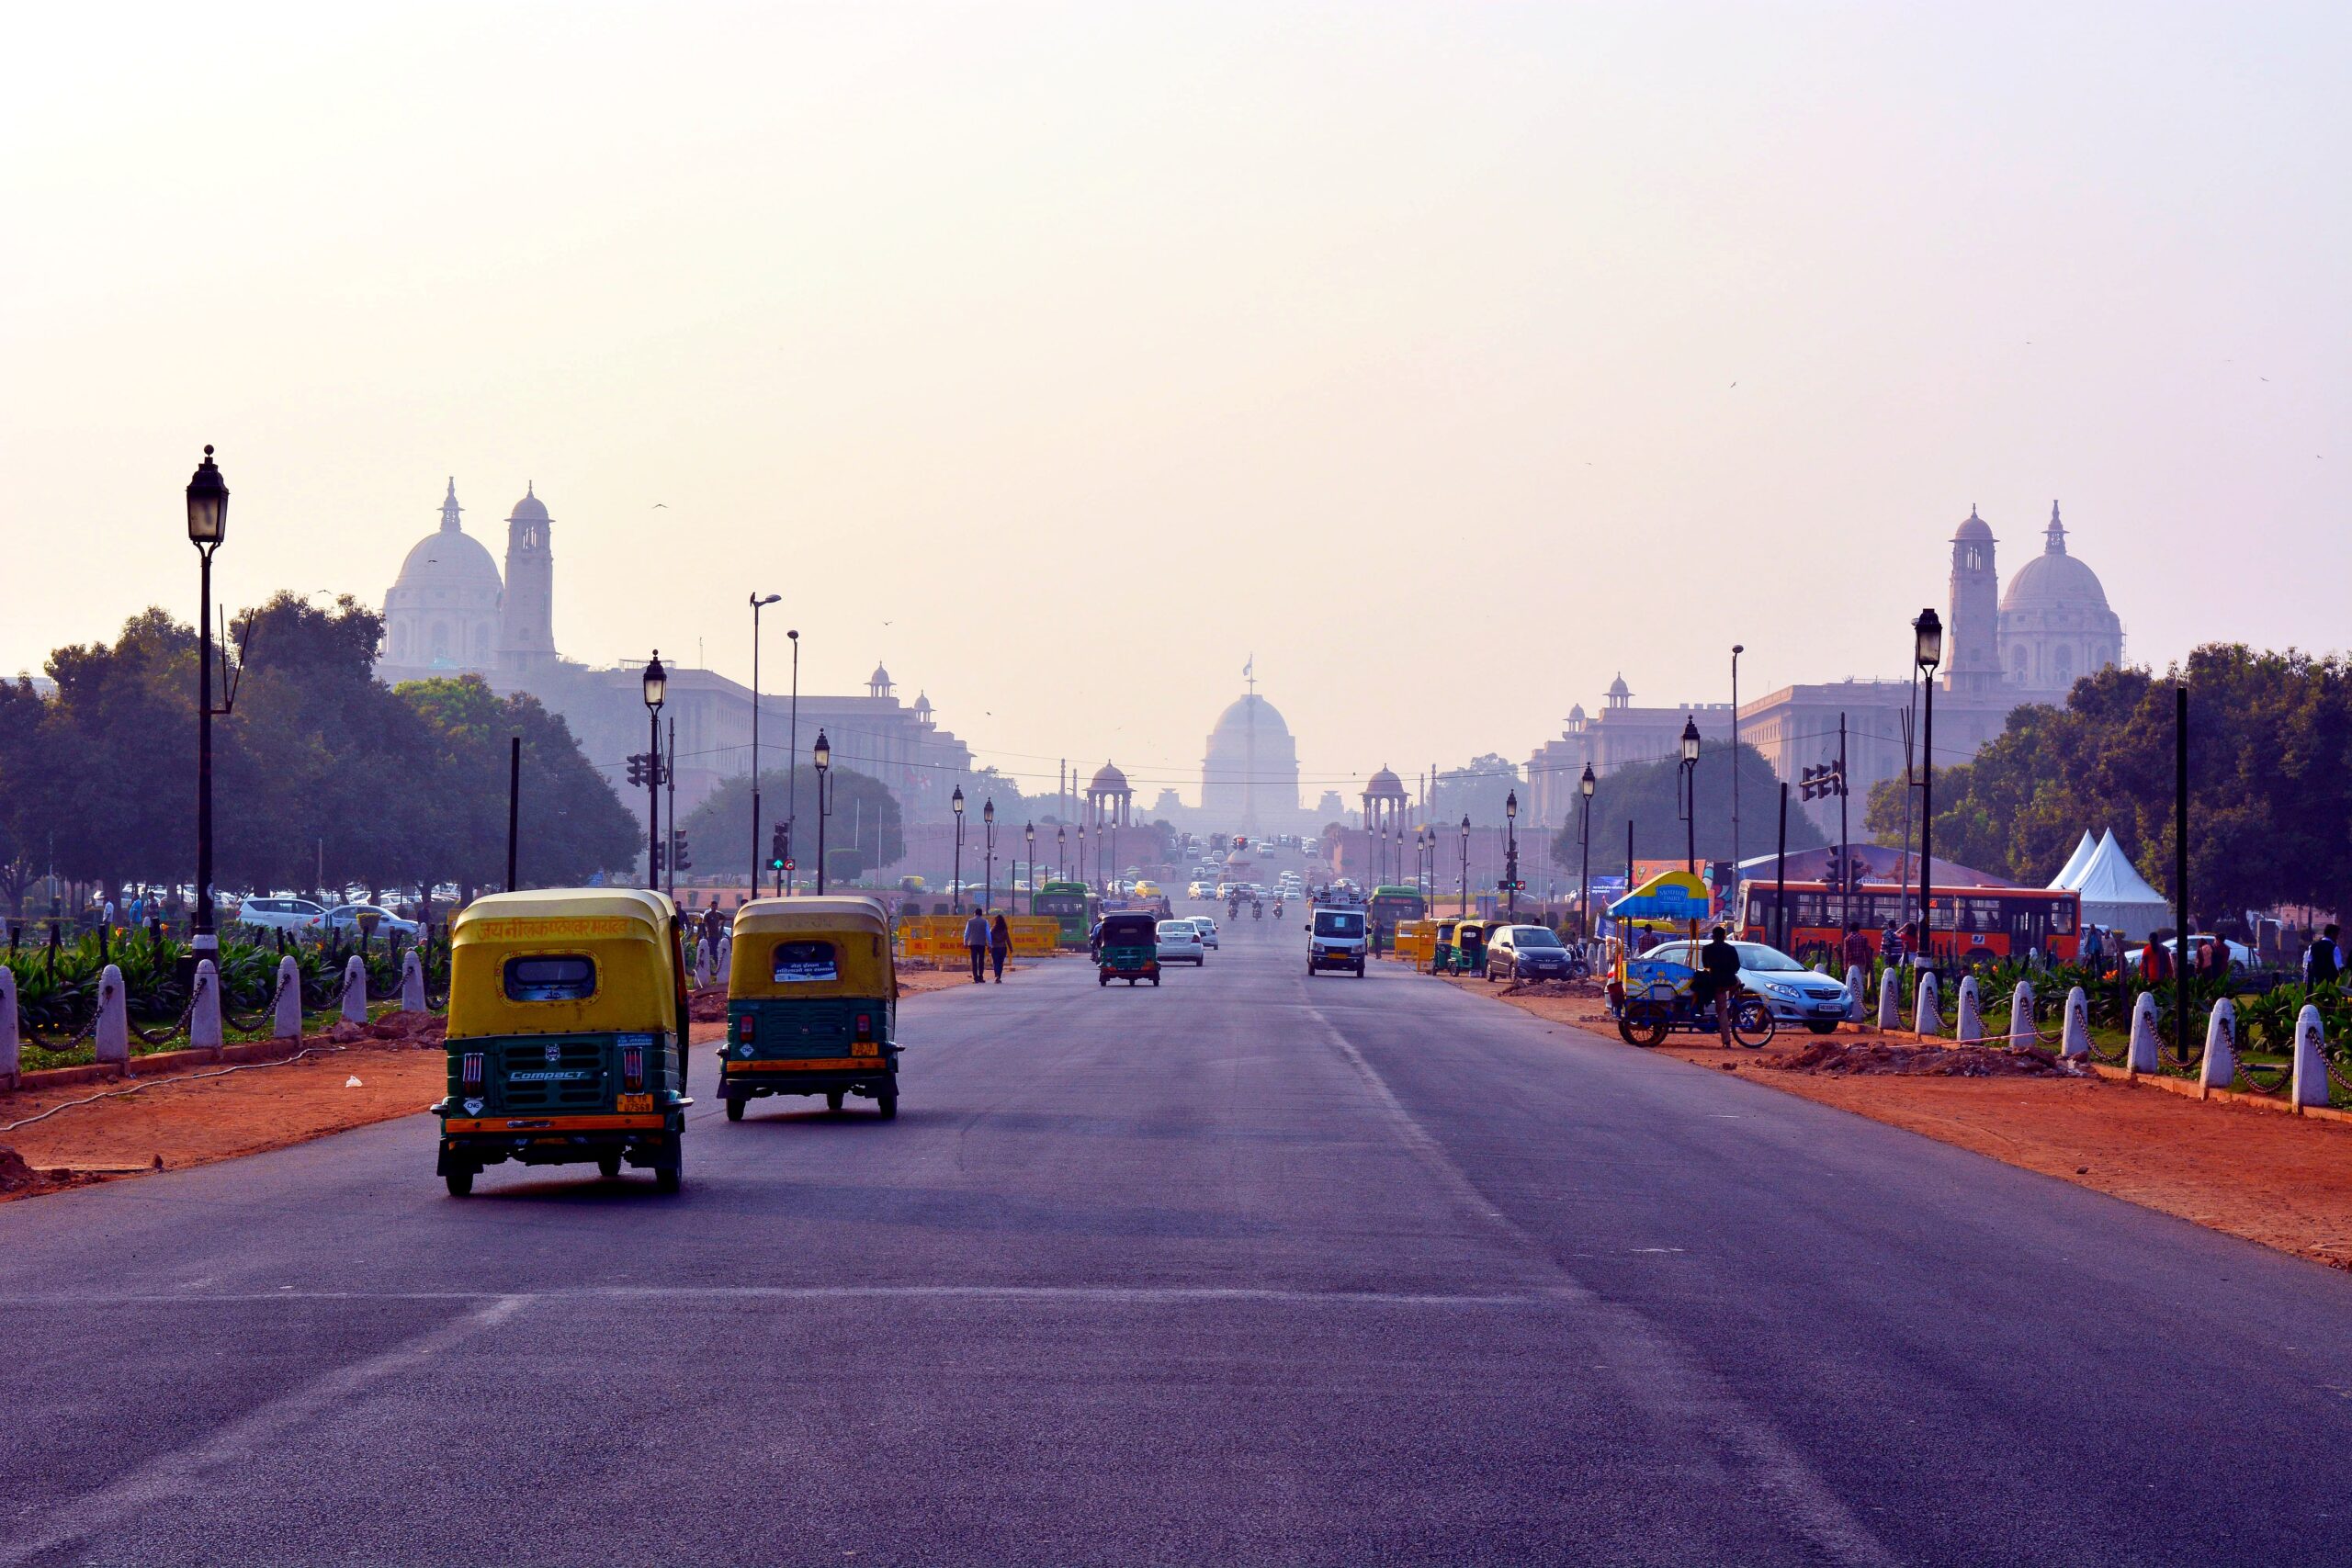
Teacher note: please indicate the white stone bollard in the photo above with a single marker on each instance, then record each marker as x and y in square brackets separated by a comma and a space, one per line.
[726, 955]
[204, 1018]
[355, 991]
[412, 982]
[2022, 1036]
[1855, 984]
[1925, 1019]
[2076, 1040]
[12, 1044]
[286, 1023]
[1890, 1000]
[112, 1038]
[1971, 1012]
[702, 964]
[2142, 1057]
[2221, 1065]
[2311, 1060]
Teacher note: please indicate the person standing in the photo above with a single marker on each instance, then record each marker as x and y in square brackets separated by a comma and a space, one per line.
[1858, 947]
[2324, 959]
[999, 943]
[1719, 963]
[976, 946]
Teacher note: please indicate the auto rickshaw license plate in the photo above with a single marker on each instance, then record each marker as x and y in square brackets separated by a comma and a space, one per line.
[864, 1048]
[628, 1102]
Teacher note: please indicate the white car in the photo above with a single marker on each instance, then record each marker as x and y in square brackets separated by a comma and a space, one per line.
[1207, 927]
[1180, 943]
[280, 914]
[1200, 890]
[2241, 955]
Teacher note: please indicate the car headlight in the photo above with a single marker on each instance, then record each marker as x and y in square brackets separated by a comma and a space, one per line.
[1775, 988]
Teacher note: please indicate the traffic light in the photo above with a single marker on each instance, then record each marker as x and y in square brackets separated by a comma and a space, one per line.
[637, 770]
[780, 847]
[681, 852]
[1824, 782]
[656, 872]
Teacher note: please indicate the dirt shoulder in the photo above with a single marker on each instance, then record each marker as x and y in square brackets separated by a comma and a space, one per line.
[2285, 1181]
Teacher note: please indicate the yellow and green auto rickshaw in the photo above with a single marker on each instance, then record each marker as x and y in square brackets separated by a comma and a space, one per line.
[1442, 943]
[1127, 948]
[1470, 945]
[813, 1004]
[567, 1034]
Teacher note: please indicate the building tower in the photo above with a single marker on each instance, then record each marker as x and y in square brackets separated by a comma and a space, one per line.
[1975, 619]
[526, 619]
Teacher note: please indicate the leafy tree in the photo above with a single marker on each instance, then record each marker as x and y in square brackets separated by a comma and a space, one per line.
[120, 801]
[864, 825]
[1645, 794]
[2270, 780]
[1478, 790]
[26, 770]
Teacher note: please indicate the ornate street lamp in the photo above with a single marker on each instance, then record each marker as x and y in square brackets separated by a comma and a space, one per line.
[207, 524]
[759, 602]
[1686, 779]
[955, 804]
[988, 852]
[1466, 863]
[1927, 651]
[657, 689]
[1029, 837]
[1061, 849]
[1585, 787]
[1510, 855]
[821, 755]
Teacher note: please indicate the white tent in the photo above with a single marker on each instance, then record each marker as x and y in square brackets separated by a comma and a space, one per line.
[2065, 880]
[2116, 896]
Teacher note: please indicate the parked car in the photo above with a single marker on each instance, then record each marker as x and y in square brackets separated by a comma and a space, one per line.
[280, 914]
[1180, 943]
[1207, 927]
[1794, 993]
[2241, 955]
[1530, 953]
[348, 920]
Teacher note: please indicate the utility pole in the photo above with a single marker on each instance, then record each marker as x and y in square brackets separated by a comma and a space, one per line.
[513, 799]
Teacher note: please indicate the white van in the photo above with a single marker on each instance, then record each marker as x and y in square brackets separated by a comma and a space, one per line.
[1336, 940]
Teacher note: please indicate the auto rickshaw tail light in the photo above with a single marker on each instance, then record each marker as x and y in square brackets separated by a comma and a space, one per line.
[469, 1070]
[865, 1026]
[633, 1068]
[750, 1028]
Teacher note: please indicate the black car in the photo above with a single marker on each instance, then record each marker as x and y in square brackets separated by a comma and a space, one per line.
[1529, 952]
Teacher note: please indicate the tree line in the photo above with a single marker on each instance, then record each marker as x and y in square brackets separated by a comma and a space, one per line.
[2269, 782]
[1647, 795]
[321, 769]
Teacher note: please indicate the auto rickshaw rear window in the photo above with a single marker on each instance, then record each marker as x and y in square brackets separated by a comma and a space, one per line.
[804, 963]
[563, 977]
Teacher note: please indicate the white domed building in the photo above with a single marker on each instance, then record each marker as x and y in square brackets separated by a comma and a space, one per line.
[2056, 624]
[442, 615]
[1249, 775]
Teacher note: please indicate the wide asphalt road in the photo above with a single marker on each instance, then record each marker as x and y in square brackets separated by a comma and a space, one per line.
[1248, 1268]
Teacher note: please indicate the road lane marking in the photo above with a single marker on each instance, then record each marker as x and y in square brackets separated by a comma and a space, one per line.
[1116, 1295]
[261, 1433]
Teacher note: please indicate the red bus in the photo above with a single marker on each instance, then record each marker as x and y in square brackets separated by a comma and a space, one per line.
[1978, 925]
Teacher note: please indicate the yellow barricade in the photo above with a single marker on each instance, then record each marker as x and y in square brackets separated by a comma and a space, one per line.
[941, 937]
[1415, 941]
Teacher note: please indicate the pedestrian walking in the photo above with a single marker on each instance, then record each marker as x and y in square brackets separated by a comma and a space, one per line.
[2091, 948]
[976, 946]
[1858, 947]
[999, 943]
[1719, 972]
[2324, 959]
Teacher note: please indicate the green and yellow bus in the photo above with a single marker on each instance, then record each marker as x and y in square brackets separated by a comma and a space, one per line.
[1388, 905]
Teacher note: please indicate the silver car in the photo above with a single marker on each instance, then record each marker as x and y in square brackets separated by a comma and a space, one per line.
[1794, 993]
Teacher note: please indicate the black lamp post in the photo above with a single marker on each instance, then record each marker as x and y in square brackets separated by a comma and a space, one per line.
[792, 742]
[988, 852]
[1737, 650]
[1466, 863]
[1928, 650]
[955, 804]
[1061, 849]
[1686, 778]
[208, 523]
[1029, 838]
[821, 755]
[1585, 787]
[657, 688]
[1084, 880]
[1510, 856]
[759, 601]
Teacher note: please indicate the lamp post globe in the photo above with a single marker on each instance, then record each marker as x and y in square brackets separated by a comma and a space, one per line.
[207, 524]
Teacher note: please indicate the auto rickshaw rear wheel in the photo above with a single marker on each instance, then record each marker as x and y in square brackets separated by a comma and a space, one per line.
[670, 1178]
[460, 1179]
[834, 1097]
[888, 1104]
[609, 1166]
[734, 1108]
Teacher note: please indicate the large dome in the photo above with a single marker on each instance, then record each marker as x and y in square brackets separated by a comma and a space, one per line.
[1247, 713]
[2054, 579]
[449, 563]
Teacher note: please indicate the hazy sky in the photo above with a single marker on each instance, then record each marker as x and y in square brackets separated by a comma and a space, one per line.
[1102, 346]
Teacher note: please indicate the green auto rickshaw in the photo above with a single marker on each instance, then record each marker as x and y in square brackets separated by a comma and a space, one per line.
[813, 1004]
[1442, 943]
[1470, 945]
[1127, 948]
